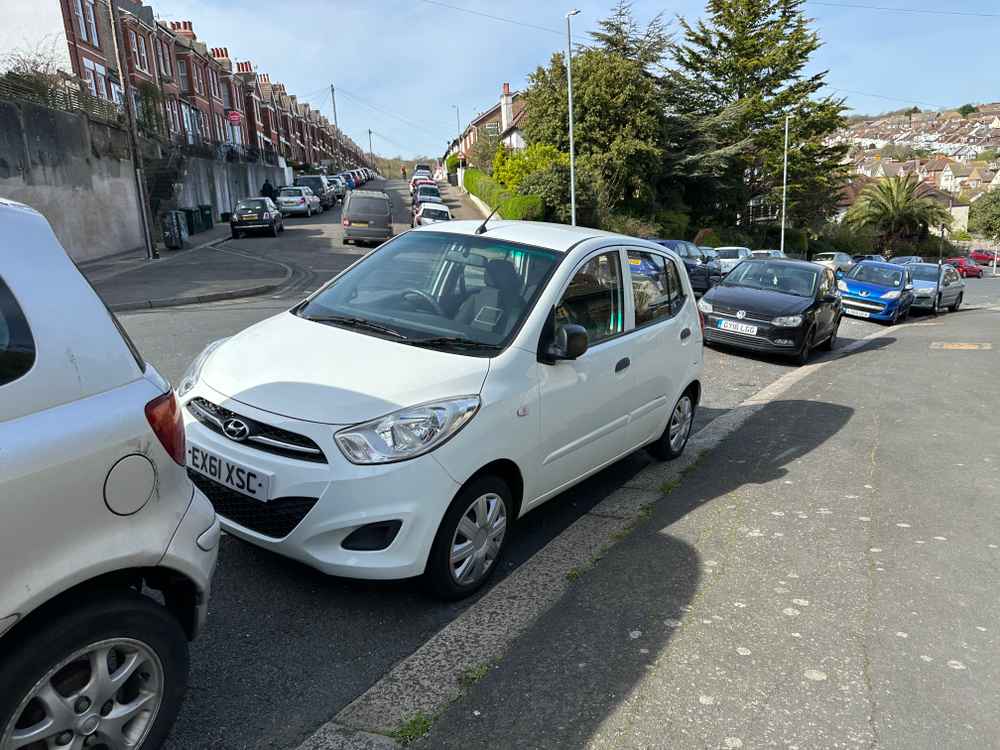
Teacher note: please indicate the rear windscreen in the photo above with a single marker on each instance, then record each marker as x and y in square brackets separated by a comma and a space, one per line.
[365, 205]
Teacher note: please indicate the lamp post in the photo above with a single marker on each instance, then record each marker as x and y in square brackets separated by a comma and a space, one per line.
[569, 88]
[458, 130]
[784, 186]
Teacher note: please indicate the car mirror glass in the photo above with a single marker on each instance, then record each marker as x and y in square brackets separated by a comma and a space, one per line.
[569, 342]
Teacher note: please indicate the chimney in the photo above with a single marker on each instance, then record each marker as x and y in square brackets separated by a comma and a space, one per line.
[244, 66]
[220, 53]
[506, 108]
[184, 29]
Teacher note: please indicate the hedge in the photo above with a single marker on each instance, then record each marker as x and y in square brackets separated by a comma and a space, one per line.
[490, 192]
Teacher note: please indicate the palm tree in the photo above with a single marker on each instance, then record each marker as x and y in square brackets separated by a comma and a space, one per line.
[897, 209]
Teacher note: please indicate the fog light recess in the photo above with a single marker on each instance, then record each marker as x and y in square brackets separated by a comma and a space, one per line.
[372, 537]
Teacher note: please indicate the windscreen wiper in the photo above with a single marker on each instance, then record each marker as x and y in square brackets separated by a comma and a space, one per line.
[349, 322]
[455, 342]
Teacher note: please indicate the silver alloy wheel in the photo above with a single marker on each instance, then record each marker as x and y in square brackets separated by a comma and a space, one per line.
[106, 694]
[478, 538]
[680, 423]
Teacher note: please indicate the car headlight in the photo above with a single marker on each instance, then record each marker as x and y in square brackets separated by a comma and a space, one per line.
[892, 294]
[193, 373]
[788, 321]
[406, 433]
[704, 306]
[923, 291]
[842, 285]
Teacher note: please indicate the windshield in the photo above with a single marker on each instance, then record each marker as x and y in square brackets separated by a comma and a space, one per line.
[729, 253]
[876, 275]
[429, 190]
[774, 277]
[709, 252]
[291, 192]
[256, 204]
[923, 271]
[824, 256]
[435, 213]
[429, 285]
[364, 204]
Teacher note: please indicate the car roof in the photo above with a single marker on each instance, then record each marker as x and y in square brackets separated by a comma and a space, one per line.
[880, 264]
[369, 194]
[435, 205]
[558, 237]
[785, 262]
[732, 247]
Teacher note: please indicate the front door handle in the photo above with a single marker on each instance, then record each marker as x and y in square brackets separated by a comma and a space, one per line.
[622, 364]
[685, 333]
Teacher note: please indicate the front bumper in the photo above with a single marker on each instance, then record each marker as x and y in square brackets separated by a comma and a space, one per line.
[768, 337]
[870, 308]
[924, 301]
[193, 551]
[345, 497]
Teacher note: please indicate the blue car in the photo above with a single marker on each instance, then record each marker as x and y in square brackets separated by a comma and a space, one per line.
[348, 178]
[877, 291]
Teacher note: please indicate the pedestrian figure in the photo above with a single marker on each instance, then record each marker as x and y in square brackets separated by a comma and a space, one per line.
[402, 171]
[268, 189]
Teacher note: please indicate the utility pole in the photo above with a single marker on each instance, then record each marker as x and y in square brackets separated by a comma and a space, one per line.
[140, 183]
[371, 150]
[333, 96]
[784, 186]
[569, 87]
[458, 130]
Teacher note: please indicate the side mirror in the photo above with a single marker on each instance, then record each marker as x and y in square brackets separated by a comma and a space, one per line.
[839, 274]
[831, 297]
[570, 342]
[909, 287]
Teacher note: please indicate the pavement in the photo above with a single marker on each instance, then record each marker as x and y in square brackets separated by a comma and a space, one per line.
[825, 578]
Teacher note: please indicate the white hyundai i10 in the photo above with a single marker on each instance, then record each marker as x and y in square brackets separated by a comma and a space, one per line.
[397, 421]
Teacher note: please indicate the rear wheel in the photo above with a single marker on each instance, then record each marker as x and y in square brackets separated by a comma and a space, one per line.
[832, 340]
[802, 357]
[957, 304]
[112, 673]
[274, 229]
[234, 234]
[671, 443]
[470, 541]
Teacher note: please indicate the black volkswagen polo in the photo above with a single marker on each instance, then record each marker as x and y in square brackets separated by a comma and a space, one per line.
[771, 305]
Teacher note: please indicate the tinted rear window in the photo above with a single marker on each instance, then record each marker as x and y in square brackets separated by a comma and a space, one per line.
[363, 204]
[17, 347]
[251, 205]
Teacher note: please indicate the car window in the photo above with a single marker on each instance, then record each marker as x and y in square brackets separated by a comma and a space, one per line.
[291, 192]
[17, 347]
[824, 285]
[594, 299]
[650, 286]
[255, 204]
[364, 204]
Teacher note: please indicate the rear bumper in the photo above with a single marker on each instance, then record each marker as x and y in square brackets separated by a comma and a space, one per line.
[367, 233]
[193, 552]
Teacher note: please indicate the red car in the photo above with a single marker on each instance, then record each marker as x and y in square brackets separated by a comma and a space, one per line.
[966, 267]
[983, 257]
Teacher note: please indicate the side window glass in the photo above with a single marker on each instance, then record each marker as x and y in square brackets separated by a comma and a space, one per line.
[594, 299]
[650, 288]
[676, 293]
[17, 347]
[824, 285]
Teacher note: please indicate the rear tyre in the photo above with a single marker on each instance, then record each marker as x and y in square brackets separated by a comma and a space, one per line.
[828, 345]
[470, 541]
[671, 443]
[141, 653]
[234, 234]
[958, 303]
[274, 229]
[802, 357]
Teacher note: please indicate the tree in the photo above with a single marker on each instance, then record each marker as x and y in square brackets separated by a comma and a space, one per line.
[898, 210]
[967, 109]
[510, 168]
[984, 216]
[749, 58]
[483, 150]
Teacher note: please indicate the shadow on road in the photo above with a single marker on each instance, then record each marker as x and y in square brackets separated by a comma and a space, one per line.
[587, 655]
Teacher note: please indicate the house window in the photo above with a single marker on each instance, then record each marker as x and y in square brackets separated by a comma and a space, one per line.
[163, 57]
[142, 59]
[80, 23]
[182, 73]
[227, 99]
[199, 80]
[117, 95]
[91, 22]
[96, 76]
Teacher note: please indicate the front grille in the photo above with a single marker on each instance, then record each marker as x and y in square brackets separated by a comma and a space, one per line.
[262, 436]
[730, 312]
[275, 518]
[862, 305]
[731, 337]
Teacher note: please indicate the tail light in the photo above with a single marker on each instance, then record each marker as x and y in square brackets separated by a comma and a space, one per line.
[346, 223]
[302, 200]
[701, 321]
[164, 415]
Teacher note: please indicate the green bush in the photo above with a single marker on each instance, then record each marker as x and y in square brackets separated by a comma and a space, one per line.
[523, 207]
[707, 238]
[511, 167]
[490, 192]
[631, 226]
[451, 164]
[672, 224]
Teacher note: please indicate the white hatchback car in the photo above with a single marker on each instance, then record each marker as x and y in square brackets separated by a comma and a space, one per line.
[95, 507]
[395, 422]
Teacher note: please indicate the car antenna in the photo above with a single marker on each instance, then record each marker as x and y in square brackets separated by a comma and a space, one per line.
[481, 229]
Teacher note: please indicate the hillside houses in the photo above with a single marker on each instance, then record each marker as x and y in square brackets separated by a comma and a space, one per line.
[946, 133]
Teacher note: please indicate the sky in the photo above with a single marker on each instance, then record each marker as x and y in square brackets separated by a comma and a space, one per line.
[402, 66]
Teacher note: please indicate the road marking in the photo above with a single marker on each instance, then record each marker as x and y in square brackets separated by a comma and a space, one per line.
[430, 678]
[961, 346]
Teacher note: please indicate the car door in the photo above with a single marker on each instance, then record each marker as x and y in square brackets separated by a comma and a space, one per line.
[660, 335]
[583, 402]
[954, 286]
[826, 310]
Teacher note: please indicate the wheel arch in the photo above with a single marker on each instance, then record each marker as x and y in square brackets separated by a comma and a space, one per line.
[509, 472]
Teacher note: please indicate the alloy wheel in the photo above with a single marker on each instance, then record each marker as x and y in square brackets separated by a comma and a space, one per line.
[478, 539]
[680, 423]
[104, 696]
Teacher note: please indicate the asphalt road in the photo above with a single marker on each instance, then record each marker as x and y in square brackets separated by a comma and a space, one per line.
[286, 647]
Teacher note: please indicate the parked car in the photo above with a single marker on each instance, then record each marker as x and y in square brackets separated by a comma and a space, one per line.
[703, 272]
[709, 252]
[836, 261]
[426, 193]
[522, 361]
[966, 267]
[430, 213]
[321, 188]
[730, 257]
[781, 306]
[339, 186]
[768, 254]
[423, 168]
[903, 260]
[366, 216]
[95, 511]
[877, 290]
[984, 257]
[298, 200]
[256, 215]
[419, 181]
[348, 179]
[876, 258]
[936, 288]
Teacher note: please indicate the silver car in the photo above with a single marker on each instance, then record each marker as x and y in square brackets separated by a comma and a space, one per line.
[298, 200]
[936, 288]
[837, 261]
[96, 508]
[730, 257]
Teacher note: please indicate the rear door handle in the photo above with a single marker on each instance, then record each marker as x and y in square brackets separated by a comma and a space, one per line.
[685, 333]
[622, 364]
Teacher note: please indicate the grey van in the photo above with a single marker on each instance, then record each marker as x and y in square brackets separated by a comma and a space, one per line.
[366, 216]
[320, 186]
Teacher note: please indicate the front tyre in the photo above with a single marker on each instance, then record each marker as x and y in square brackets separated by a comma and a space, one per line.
[671, 443]
[470, 541]
[831, 342]
[111, 672]
[802, 357]
[957, 303]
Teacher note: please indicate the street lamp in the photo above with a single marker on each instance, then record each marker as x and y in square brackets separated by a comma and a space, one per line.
[458, 130]
[784, 186]
[569, 88]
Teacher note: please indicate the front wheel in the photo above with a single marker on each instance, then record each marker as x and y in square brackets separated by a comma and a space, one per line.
[957, 304]
[832, 340]
[234, 234]
[671, 443]
[274, 229]
[111, 672]
[470, 541]
[802, 357]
